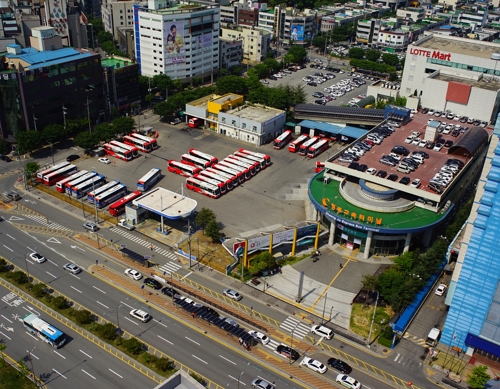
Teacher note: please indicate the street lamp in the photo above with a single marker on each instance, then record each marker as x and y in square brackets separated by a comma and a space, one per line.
[291, 342]
[117, 311]
[239, 379]
[198, 258]
[51, 150]
[32, 368]
[34, 121]
[65, 111]
[324, 306]
[331, 310]
[373, 318]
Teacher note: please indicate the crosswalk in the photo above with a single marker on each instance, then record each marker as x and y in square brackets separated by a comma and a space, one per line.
[45, 222]
[272, 345]
[169, 268]
[415, 339]
[166, 253]
[293, 324]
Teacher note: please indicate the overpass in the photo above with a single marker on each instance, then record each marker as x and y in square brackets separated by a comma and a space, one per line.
[348, 115]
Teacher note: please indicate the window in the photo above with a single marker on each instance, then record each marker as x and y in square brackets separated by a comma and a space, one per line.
[254, 128]
[233, 122]
[223, 120]
[410, 78]
[408, 91]
[243, 125]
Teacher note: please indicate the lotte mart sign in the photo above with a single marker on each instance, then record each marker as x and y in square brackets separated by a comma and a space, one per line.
[430, 54]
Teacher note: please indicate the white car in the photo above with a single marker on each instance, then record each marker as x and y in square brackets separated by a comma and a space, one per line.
[431, 112]
[348, 382]
[134, 274]
[264, 82]
[37, 257]
[371, 171]
[416, 134]
[438, 147]
[259, 337]
[232, 294]
[416, 141]
[422, 143]
[441, 289]
[409, 139]
[104, 160]
[72, 268]
[141, 315]
[416, 183]
[322, 331]
[314, 365]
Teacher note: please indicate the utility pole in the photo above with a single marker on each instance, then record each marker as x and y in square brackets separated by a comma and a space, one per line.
[373, 318]
[51, 151]
[189, 242]
[324, 306]
[88, 113]
[64, 115]
[34, 121]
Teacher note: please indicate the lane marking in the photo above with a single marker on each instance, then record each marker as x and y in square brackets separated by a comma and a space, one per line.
[192, 340]
[62, 356]
[164, 325]
[130, 320]
[105, 306]
[11, 237]
[8, 248]
[7, 336]
[79, 291]
[187, 275]
[199, 359]
[130, 306]
[59, 373]
[6, 319]
[74, 275]
[237, 380]
[114, 372]
[53, 240]
[27, 260]
[168, 341]
[90, 375]
[13, 218]
[83, 352]
[234, 363]
[102, 291]
[34, 337]
[33, 355]
[53, 262]
[50, 274]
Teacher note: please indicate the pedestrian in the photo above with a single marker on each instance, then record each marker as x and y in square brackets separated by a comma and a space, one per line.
[192, 314]
[151, 247]
[341, 266]
[247, 347]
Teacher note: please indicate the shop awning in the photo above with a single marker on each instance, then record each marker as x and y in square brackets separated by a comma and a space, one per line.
[290, 124]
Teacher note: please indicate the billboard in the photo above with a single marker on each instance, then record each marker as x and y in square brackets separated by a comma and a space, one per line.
[204, 41]
[174, 42]
[297, 33]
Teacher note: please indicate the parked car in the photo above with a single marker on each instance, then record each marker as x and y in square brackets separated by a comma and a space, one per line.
[152, 283]
[134, 274]
[314, 365]
[339, 365]
[441, 289]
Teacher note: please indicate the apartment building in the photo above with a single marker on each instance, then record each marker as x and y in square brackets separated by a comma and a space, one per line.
[255, 42]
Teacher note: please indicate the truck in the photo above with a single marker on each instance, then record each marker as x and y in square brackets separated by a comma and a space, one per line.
[195, 122]
[123, 223]
[433, 337]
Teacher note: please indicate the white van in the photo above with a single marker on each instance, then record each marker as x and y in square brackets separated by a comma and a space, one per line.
[323, 331]
[404, 169]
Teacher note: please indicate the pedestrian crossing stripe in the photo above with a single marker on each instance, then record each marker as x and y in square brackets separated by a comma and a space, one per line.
[169, 268]
[45, 222]
[300, 330]
[144, 243]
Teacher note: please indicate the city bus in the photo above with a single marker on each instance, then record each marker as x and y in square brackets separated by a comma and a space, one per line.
[43, 173]
[51, 178]
[195, 161]
[282, 140]
[182, 168]
[248, 161]
[317, 148]
[246, 173]
[92, 195]
[43, 330]
[151, 141]
[246, 165]
[221, 185]
[304, 147]
[227, 176]
[294, 146]
[206, 157]
[60, 184]
[111, 195]
[134, 150]
[253, 158]
[77, 181]
[117, 152]
[218, 177]
[202, 187]
[149, 179]
[118, 207]
[229, 170]
[265, 157]
[142, 145]
[85, 187]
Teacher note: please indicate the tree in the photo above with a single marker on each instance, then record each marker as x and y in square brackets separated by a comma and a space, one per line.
[4, 147]
[133, 346]
[356, 52]
[260, 70]
[478, 378]
[39, 290]
[83, 317]
[30, 169]
[298, 54]
[369, 283]
[123, 125]
[28, 141]
[53, 132]
[163, 364]
[204, 217]
[178, 85]
[107, 331]
[372, 55]
[390, 59]
[85, 140]
[231, 84]
[393, 76]
[162, 82]
[60, 302]
[212, 230]
[319, 41]
[2, 347]
[272, 64]
[23, 370]
[288, 59]
[103, 133]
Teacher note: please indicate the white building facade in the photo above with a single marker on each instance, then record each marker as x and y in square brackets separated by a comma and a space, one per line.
[116, 14]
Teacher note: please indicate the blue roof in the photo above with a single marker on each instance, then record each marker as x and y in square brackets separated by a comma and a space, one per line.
[335, 129]
[37, 59]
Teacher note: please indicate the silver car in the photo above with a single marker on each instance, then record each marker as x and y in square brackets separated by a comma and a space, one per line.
[72, 268]
[232, 294]
[261, 383]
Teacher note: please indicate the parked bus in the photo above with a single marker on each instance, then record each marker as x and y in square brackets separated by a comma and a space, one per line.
[294, 146]
[227, 176]
[265, 157]
[304, 147]
[203, 187]
[118, 207]
[51, 178]
[282, 140]
[253, 158]
[92, 195]
[149, 179]
[43, 330]
[229, 170]
[151, 141]
[246, 173]
[142, 145]
[78, 181]
[195, 161]
[206, 157]
[134, 150]
[117, 152]
[85, 187]
[60, 185]
[221, 185]
[43, 173]
[182, 168]
[248, 161]
[111, 195]
[317, 148]
[238, 162]
[228, 182]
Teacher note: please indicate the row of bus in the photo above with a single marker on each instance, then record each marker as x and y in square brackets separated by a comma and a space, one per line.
[211, 177]
[310, 147]
[130, 147]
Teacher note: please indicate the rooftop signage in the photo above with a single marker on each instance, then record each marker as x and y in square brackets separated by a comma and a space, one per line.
[430, 54]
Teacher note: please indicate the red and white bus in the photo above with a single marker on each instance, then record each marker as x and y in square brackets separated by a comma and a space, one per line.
[246, 160]
[85, 187]
[222, 186]
[203, 187]
[118, 207]
[182, 168]
[228, 170]
[294, 146]
[60, 184]
[111, 195]
[265, 157]
[253, 158]
[143, 146]
[77, 181]
[134, 150]
[195, 161]
[238, 162]
[151, 141]
[304, 147]
[43, 173]
[92, 195]
[219, 178]
[201, 155]
[227, 176]
[148, 180]
[317, 148]
[117, 152]
[51, 178]
[246, 173]
[282, 140]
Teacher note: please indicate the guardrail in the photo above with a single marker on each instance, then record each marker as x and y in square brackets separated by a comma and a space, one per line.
[33, 378]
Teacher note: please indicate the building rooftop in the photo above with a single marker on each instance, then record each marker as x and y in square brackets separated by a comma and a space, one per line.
[458, 45]
[253, 112]
[169, 204]
[37, 59]
[117, 63]
[488, 83]
[227, 97]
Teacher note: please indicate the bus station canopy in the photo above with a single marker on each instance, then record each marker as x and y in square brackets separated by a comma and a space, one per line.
[166, 203]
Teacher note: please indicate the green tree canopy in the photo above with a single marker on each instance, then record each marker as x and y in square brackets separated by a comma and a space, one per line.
[85, 140]
[213, 231]
[28, 141]
[390, 59]
[4, 147]
[161, 82]
[123, 125]
[53, 132]
[356, 53]
[31, 168]
[478, 378]
[272, 64]
[298, 54]
[372, 55]
[231, 84]
[319, 41]
[205, 216]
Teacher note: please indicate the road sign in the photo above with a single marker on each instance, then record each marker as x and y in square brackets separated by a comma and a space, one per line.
[123, 246]
[147, 257]
[238, 245]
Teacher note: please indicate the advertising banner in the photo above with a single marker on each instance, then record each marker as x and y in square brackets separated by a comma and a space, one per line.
[174, 46]
[297, 33]
[307, 231]
[258, 243]
[283, 236]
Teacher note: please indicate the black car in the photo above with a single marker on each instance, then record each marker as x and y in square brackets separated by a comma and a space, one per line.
[169, 291]
[381, 173]
[353, 165]
[362, 167]
[71, 158]
[425, 110]
[5, 158]
[430, 146]
[321, 102]
[288, 352]
[392, 177]
[412, 162]
[405, 180]
[455, 133]
[400, 150]
[448, 143]
[274, 78]
[422, 153]
[152, 283]
[312, 83]
[339, 365]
